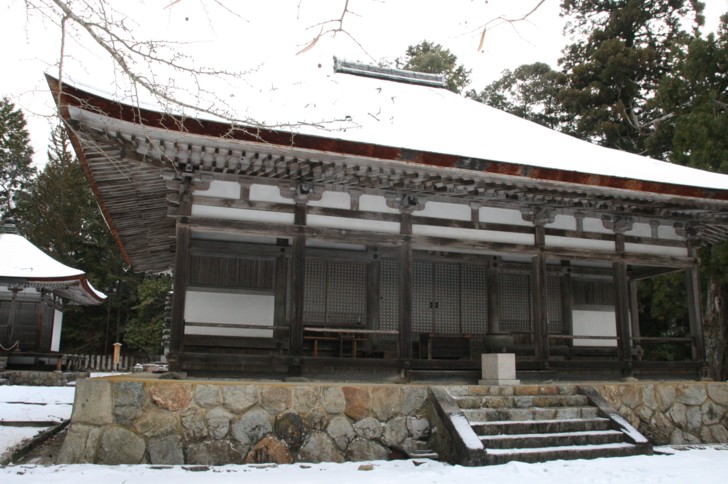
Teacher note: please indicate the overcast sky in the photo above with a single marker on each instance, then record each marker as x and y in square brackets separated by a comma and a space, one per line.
[247, 34]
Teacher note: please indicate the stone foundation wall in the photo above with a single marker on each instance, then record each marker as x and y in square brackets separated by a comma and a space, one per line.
[42, 378]
[673, 412]
[128, 421]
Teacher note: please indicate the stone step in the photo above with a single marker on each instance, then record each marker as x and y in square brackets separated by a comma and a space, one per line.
[515, 427]
[522, 401]
[502, 456]
[555, 439]
[511, 390]
[536, 413]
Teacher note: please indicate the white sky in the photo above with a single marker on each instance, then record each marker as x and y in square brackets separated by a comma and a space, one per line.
[263, 32]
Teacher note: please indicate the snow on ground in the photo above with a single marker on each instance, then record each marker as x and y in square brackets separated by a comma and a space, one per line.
[690, 466]
[695, 465]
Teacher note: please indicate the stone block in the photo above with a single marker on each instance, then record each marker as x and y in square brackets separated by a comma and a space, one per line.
[239, 398]
[498, 369]
[395, 431]
[156, 423]
[386, 401]
[304, 398]
[120, 446]
[207, 396]
[319, 447]
[332, 400]
[269, 450]
[93, 403]
[79, 445]
[275, 399]
[218, 422]
[252, 426]
[358, 402]
[291, 428]
[172, 395]
[341, 431]
[361, 450]
[413, 399]
[166, 450]
[368, 428]
[215, 452]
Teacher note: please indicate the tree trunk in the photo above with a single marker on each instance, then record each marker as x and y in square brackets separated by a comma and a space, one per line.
[715, 324]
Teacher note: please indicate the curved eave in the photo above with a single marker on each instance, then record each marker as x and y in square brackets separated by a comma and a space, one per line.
[70, 96]
[76, 289]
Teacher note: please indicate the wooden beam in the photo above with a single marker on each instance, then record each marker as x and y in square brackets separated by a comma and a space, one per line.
[405, 289]
[695, 313]
[621, 310]
[181, 275]
[540, 300]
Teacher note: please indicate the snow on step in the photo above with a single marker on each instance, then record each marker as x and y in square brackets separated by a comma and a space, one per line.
[563, 448]
[586, 433]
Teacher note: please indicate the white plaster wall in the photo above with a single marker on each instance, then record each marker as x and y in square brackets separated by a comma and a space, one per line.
[268, 193]
[574, 243]
[640, 230]
[241, 214]
[57, 327]
[333, 200]
[595, 225]
[563, 222]
[374, 203]
[594, 323]
[449, 211]
[352, 224]
[502, 216]
[656, 249]
[221, 189]
[229, 308]
[474, 235]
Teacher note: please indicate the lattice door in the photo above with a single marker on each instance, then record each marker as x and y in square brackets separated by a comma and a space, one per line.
[474, 299]
[446, 303]
[389, 294]
[423, 298]
[555, 315]
[514, 292]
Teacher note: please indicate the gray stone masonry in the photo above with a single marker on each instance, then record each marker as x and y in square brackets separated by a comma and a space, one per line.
[130, 420]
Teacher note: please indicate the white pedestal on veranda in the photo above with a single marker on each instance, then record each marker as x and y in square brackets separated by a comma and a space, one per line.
[498, 369]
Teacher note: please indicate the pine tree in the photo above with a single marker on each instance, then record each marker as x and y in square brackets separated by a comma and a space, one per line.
[16, 155]
[435, 59]
[623, 49]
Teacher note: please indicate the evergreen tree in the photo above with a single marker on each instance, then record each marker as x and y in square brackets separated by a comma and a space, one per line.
[16, 155]
[59, 214]
[693, 99]
[623, 49]
[530, 91]
[144, 331]
[435, 59]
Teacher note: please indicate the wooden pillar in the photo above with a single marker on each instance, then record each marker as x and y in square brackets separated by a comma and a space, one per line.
[695, 313]
[622, 308]
[279, 291]
[493, 298]
[298, 266]
[405, 288]
[181, 276]
[634, 317]
[373, 290]
[567, 303]
[540, 300]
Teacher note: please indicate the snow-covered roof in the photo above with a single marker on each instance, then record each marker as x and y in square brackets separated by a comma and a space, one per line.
[319, 101]
[24, 264]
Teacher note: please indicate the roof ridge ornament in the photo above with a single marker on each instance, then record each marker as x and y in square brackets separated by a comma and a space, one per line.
[389, 73]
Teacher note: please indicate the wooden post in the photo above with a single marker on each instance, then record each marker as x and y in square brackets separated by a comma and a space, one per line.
[405, 288]
[279, 291]
[181, 274]
[493, 299]
[567, 302]
[622, 308]
[298, 261]
[695, 314]
[540, 310]
[540, 300]
[373, 291]
[634, 316]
